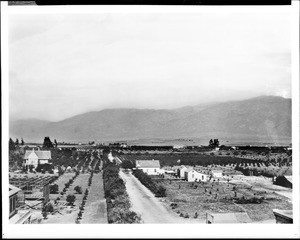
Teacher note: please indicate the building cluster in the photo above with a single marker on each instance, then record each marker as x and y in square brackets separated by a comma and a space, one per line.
[191, 174]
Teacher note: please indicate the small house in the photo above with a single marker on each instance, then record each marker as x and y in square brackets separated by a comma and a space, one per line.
[235, 217]
[203, 176]
[191, 175]
[151, 167]
[181, 171]
[216, 173]
[34, 158]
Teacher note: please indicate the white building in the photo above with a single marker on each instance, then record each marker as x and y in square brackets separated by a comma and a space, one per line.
[217, 173]
[151, 167]
[191, 175]
[34, 158]
[181, 171]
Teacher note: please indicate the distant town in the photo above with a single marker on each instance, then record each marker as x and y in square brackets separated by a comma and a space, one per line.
[58, 182]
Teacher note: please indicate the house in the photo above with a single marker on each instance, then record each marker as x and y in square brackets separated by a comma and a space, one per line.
[151, 167]
[283, 216]
[181, 171]
[216, 173]
[204, 176]
[191, 175]
[235, 217]
[33, 157]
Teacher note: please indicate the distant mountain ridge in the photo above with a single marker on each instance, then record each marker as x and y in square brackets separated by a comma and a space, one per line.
[267, 117]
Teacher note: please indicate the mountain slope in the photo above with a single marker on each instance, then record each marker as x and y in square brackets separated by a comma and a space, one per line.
[262, 117]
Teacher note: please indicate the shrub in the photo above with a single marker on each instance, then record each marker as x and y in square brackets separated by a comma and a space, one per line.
[161, 192]
[54, 189]
[186, 215]
[147, 181]
[70, 199]
[48, 208]
[78, 190]
[118, 205]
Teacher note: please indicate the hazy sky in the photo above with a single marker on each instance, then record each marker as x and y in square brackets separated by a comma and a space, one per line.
[63, 65]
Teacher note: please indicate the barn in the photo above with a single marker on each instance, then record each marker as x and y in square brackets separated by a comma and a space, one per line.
[151, 167]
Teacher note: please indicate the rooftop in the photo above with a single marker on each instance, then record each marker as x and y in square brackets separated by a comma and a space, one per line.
[39, 154]
[147, 163]
[13, 190]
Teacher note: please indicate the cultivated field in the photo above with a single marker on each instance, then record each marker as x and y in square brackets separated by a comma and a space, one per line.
[257, 198]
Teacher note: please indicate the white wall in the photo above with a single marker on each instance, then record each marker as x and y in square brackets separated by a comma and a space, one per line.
[151, 171]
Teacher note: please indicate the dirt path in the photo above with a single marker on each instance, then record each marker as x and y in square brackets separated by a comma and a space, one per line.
[146, 204]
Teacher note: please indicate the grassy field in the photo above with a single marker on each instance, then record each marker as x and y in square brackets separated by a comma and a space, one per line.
[220, 197]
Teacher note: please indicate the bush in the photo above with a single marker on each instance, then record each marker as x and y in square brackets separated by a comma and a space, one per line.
[71, 199]
[147, 181]
[78, 190]
[118, 205]
[54, 189]
[48, 208]
[161, 192]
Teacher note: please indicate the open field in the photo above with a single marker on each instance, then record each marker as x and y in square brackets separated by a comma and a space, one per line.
[220, 197]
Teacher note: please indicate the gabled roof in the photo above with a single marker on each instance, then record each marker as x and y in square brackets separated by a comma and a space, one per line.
[235, 217]
[13, 190]
[39, 154]
[284, 213]
[147, 163]
[289, 178]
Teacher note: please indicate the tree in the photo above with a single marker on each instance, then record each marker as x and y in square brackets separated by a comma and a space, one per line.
[55, 142]
[22, 142]
[78, 189]
[127, 164]
[12, 145]
[216, 142]
[17, 142]
[54, 189]
[47, 143]
[70, 199]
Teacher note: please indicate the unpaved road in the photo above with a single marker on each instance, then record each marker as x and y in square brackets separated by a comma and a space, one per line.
[147, 205]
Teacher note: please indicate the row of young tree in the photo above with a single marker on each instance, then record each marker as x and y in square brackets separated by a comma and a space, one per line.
[118, 204]
[146, 180]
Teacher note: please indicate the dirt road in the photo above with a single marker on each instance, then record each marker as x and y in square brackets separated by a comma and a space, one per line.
[147, 205]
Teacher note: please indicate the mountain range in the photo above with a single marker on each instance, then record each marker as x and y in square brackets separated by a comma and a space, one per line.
[264, 117]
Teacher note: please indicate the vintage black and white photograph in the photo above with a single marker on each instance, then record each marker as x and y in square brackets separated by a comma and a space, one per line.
[150, 116]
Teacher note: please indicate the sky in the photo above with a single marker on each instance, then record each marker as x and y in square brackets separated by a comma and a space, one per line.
[61, 65]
